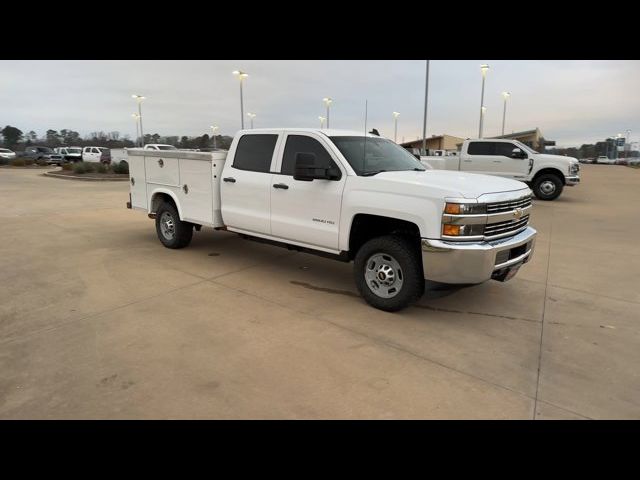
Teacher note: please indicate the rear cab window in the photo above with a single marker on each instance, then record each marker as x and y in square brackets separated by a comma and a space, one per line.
[254, 152]
[481, 148]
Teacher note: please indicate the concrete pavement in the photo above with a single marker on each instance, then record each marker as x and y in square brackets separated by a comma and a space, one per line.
[98, 320]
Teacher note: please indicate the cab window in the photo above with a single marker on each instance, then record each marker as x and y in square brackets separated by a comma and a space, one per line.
[254, 152]
[303, 144]
[505, 149]
[481, 148]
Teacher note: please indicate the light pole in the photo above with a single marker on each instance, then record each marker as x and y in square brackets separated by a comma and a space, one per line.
[395, 132]
[424, 123]
[483, 68]
[251, 116]
[322, 119]
[504, 111]
[214, 129]
[241, 76]
[139, 99]
[483, 110]
[327, 103]
[136, 117]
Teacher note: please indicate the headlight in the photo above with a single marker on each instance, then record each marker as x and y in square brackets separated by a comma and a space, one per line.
[574, 168]
[465, 209]
[462, 230]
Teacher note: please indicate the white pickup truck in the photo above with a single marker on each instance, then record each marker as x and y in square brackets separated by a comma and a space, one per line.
[546, 174]
[317, 191]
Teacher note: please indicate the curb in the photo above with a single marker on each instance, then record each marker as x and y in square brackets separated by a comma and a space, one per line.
[30, 167]
[84, 179]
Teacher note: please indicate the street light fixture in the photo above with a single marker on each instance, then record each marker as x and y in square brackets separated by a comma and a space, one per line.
[136, 118]
[483, 68]
[505, 95]
[322, 119]
[395, 133]
[241, 76]
[214, 129]
[327, 103]
[139, 99]
[251, 116]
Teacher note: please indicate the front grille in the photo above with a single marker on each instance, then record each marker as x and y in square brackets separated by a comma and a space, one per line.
[504, 228]
[500, 207]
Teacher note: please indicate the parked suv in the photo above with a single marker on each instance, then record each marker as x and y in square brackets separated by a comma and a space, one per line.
[96, 154]
[43, 153]
[70, 154]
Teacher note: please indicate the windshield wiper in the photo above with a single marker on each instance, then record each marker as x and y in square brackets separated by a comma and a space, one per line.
[371, 173]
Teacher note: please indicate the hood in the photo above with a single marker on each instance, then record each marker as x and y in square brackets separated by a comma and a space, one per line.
[556, 158]
[450, 183]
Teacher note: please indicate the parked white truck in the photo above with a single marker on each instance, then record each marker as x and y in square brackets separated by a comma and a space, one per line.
[343, 195]
[546, 174]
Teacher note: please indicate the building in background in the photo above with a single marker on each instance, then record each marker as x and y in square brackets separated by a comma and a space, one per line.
[446, 142]
[532, 138]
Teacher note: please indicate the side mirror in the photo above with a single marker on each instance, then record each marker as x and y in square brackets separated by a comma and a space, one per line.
[518, 153]
[306, 169]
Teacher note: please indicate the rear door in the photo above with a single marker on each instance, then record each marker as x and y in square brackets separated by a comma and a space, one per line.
[246, 183]
[481, 158]
[307, 211]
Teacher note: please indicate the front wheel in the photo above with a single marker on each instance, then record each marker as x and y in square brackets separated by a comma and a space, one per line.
[172, 232]
[547, 186]
[388, 273]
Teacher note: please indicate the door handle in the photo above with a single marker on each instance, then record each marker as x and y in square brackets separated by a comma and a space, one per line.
[230, 179]
[497, 161]
[281, 185]
[467, 161]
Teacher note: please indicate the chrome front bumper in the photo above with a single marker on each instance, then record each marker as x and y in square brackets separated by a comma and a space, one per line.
[474, 262]
[572, 180]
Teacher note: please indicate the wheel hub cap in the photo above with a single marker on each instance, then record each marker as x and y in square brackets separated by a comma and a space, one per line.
[548, 187]
[383, 275]
[167, 226]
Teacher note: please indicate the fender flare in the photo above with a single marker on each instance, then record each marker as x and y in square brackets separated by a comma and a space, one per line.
[168, 192]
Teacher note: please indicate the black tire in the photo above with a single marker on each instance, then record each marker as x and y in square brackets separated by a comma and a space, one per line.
[406, 255]
[547, 186]
[182, 232]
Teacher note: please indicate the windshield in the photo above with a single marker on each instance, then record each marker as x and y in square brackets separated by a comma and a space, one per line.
[166, 147]
[382, 155]
[74, 150]
[524, 147]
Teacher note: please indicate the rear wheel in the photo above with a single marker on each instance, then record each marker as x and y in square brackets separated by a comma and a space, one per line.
[172, 232]
[388, 273]
[547, 186]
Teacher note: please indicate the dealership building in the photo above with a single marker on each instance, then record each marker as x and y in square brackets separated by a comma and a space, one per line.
[532, 138]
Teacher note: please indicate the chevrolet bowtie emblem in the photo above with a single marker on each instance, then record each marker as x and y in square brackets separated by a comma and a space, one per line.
[517, 212]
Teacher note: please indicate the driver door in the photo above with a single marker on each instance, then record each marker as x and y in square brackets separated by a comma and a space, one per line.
[511, 167]
[307, 212]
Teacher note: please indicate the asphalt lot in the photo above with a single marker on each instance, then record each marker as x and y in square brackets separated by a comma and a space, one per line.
[98, 320]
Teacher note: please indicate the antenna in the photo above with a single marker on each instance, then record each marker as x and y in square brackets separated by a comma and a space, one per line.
[364, 152]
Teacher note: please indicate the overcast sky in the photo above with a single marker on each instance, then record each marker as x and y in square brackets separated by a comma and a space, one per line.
[572, 102]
